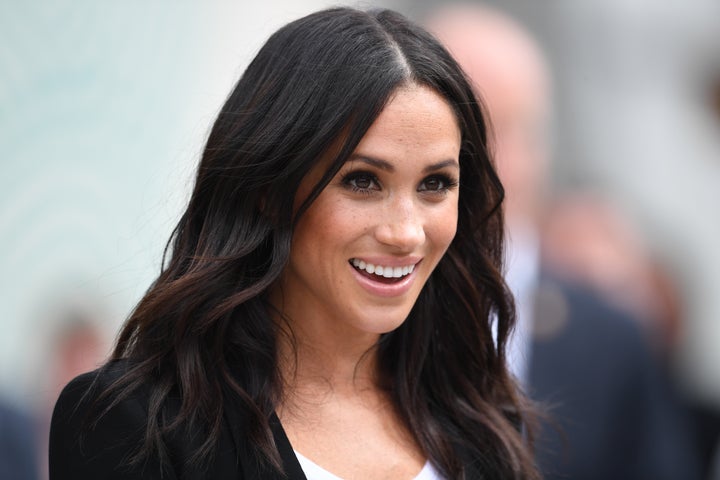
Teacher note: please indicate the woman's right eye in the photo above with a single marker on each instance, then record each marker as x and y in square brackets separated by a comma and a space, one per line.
[362, 182]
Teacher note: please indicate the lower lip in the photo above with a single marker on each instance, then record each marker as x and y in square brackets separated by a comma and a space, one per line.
[385, 289]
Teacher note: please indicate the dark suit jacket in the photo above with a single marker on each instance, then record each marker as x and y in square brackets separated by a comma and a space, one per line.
[617, 417]
[102, 452]
[17, 445]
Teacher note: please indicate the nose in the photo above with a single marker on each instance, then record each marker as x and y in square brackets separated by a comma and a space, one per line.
[401, 225]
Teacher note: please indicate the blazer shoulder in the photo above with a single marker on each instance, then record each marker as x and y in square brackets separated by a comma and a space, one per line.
[92, 436]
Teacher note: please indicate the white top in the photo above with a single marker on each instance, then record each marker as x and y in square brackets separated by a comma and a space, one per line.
[313, 471]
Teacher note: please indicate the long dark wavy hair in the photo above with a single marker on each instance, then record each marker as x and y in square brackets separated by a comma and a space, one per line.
[204, 331]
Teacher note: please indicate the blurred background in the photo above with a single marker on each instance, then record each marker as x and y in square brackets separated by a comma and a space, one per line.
[104, 108]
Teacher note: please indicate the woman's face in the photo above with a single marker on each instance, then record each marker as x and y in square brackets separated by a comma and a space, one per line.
[365, 247]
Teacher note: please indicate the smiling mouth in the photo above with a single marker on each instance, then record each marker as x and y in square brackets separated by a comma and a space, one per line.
[381, 273]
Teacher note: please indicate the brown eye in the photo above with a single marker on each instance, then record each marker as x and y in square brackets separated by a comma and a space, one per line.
[436, 183]
[361, 182]
[433, 184]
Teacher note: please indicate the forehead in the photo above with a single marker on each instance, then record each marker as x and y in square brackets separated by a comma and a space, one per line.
[410, 108]
[415, 116]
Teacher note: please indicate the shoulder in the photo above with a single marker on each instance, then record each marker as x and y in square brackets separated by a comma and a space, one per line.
[82, 400]
[83, 392]
[96, 437]
[87, 387]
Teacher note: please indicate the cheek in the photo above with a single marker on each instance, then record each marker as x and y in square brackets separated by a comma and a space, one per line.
[327, 222]
[443, 226]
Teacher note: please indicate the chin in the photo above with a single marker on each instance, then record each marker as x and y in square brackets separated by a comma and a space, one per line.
[390, 322]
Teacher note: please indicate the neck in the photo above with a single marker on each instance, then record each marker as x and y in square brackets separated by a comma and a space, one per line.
[314, 364]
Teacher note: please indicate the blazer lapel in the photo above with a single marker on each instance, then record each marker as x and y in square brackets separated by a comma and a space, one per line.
[290, 462]
[248, 467]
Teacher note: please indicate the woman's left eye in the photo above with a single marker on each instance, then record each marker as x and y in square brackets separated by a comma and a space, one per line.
[437, 183]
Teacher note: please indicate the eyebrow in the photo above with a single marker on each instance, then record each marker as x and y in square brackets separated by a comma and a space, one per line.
[387, 166]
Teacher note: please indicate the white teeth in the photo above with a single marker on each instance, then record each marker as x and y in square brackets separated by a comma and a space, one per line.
[383, 271]
[359, 264]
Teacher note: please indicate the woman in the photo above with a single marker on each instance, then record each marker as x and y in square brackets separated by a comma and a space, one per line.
[328, 298]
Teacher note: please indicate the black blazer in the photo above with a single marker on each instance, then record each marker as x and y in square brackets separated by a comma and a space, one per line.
[103, 451]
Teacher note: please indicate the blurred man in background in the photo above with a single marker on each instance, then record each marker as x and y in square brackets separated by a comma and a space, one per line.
[589, 240]
[573, 352]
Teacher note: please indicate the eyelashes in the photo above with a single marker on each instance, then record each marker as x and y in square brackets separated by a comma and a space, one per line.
[367, 183]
